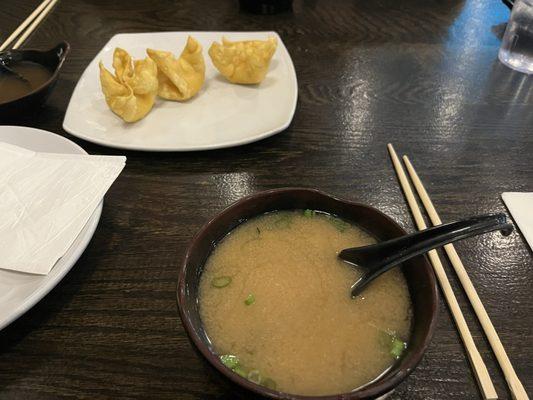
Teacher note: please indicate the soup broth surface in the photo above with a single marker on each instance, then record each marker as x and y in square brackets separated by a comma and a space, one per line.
[274, 294]
[12, 87]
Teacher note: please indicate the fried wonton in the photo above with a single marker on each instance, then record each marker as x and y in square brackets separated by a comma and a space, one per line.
[180, 78]
[131, 92]
[244, 62]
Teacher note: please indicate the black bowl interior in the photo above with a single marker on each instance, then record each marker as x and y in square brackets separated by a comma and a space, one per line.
[419, 275]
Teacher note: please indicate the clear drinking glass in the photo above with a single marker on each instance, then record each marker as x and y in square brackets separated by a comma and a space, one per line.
[516, 50]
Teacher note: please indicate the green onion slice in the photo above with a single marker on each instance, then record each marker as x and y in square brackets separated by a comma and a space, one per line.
[397, 347]
[309, 213]
[250, 299]
[240, 371]
[221, 281]
[254, 376]
[229, 360]
[269, 383]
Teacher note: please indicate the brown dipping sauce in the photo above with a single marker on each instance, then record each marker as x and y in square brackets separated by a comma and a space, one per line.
[12, 87]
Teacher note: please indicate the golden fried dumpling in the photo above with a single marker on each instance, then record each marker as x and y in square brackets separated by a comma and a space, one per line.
[131, 92]
[243, 62]
[181, 78]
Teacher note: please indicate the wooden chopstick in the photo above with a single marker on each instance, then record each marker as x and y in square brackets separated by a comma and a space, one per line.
[517, 390]
[34, 24]
[480, 370]
[24, 24]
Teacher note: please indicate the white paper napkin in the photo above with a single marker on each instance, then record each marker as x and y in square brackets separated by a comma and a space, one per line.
[45, 201]
[521, 207]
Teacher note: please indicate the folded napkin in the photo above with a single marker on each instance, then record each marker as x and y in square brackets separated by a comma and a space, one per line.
[45, 201]
[521, 207]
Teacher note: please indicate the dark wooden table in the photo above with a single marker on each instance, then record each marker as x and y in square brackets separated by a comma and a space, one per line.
[422, 74]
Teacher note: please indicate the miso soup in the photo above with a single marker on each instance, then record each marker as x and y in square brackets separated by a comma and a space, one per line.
[275, 303]
[12, 87]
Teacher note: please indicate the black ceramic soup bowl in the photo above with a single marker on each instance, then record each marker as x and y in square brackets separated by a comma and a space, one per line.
[51, 59]
[419, 275]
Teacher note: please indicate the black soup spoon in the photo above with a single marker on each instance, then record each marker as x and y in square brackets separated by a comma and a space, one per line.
[379, 258]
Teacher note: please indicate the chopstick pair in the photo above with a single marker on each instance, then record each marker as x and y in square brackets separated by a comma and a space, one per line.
[484, 381]
[34, 19]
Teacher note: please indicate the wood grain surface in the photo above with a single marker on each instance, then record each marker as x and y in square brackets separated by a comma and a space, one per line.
[422, 74]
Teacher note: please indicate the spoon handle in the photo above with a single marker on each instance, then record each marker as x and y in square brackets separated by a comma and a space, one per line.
[379, 258]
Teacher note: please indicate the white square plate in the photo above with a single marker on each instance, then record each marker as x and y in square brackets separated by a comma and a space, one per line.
[222, 114]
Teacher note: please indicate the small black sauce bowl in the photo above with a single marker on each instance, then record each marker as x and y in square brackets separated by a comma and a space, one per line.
[418, 272]
[51, 59]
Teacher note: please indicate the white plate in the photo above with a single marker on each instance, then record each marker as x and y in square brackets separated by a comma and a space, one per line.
[220, 115]
[19, 291]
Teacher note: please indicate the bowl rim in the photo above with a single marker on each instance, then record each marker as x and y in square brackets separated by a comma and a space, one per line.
[53, 76]
[377, 390]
